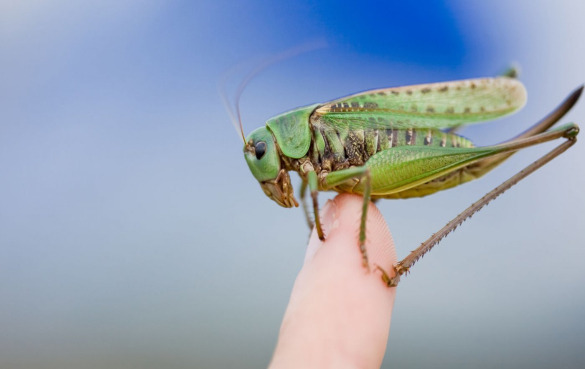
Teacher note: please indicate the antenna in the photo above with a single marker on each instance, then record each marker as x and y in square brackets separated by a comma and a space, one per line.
[236, 117]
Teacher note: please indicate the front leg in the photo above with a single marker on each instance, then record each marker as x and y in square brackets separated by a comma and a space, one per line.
[303, 196]
[314, 187]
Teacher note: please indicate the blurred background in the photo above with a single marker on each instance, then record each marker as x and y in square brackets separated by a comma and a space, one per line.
[132, 234]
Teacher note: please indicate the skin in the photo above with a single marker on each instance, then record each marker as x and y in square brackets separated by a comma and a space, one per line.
[339, 312]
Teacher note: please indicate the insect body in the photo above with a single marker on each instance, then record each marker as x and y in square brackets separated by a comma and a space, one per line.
[389, 143]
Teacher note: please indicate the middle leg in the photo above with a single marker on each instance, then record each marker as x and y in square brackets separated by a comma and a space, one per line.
[356, 173]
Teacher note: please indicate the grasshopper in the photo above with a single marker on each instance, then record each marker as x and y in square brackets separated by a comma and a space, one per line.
[397, 143]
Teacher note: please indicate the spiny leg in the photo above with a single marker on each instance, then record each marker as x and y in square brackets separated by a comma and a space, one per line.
[403, 266]
[335, 178]
[362, 237]
[554, 116]
[303, 196]
[485, 165]
[541, 126]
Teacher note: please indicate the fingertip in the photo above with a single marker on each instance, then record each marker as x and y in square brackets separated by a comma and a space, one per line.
[338, 309]
[343, 215]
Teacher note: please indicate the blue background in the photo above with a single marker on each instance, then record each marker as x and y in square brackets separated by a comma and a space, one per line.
[133, 235]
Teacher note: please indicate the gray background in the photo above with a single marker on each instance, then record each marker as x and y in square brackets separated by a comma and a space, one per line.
[133, 235]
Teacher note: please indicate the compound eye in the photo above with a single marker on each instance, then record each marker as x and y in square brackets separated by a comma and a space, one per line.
[260, 149]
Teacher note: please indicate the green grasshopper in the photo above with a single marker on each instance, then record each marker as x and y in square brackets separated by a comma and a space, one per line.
[397, 143]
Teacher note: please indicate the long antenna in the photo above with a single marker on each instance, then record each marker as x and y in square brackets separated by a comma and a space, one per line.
[236, 117]
[221, 87]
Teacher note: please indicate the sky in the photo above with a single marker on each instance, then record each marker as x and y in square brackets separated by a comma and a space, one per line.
[132, 233]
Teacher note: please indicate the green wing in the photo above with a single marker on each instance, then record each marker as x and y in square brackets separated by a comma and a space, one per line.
[435, 105]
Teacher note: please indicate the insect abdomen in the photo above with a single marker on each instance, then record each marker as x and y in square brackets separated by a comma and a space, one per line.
[438, 138]
[336, 149]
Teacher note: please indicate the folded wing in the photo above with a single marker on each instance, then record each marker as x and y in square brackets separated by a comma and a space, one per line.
[435, 105]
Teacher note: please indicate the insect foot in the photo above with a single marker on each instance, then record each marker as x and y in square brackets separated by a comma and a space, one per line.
[391, 281]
